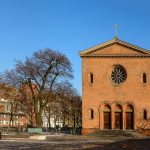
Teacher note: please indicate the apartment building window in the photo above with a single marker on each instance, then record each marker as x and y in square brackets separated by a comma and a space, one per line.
[7, 108]
[7, 122]
[1, 122]
[19, 116]
[20, 123]
[15, 122]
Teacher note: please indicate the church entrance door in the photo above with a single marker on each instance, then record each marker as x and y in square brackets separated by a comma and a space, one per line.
[118, 120]
[107, 120]
[129, 120]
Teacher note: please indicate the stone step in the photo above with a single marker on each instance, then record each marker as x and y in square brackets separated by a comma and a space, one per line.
[115, 133]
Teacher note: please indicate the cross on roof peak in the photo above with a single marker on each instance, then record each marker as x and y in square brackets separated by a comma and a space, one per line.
[116, 30]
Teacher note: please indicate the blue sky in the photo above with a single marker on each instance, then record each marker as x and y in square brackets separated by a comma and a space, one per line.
[68, 26]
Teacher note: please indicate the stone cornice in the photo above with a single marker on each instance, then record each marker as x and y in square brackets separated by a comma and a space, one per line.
[116, 56]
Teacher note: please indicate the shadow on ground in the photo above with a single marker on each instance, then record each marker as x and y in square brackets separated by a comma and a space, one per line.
[80, 143]
[129, 144]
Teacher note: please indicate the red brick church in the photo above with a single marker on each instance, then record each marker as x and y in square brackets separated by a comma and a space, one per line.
[115, 86]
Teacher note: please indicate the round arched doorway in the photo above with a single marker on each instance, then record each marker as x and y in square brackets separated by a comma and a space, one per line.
[107, 116]
[118, 116]
[129, 115]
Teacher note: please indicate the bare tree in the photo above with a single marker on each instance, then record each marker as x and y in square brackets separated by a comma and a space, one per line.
[75, 112]
[44, 69]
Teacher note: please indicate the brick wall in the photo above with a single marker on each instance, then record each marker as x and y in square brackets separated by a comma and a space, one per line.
[132, 92]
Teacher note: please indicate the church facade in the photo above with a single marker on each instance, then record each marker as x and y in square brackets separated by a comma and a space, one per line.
[115, 87]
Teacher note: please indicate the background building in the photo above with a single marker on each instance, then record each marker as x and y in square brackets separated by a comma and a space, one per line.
[9, 117]
[115, 86]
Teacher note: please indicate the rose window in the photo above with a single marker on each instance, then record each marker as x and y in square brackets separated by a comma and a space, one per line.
[118, 75]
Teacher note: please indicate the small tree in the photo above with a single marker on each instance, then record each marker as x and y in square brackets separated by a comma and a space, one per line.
[70, 105]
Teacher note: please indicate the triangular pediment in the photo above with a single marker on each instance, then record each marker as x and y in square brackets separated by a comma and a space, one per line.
[114, 47]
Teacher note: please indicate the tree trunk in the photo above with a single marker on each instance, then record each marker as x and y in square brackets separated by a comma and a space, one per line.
[74, 124]
[39, 121]
[64, 120]
[49, 123]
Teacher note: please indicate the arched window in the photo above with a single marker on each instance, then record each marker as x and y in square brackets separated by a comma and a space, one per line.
[91, 78]
[144, 77]
[92, 114]
[145, 115]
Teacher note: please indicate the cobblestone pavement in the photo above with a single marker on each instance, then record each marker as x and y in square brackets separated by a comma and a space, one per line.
[73, 143]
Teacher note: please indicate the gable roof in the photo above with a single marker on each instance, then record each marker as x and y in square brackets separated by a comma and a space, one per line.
[116, 40]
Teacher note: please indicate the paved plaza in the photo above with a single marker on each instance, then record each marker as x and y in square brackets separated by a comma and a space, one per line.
[75, 142]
